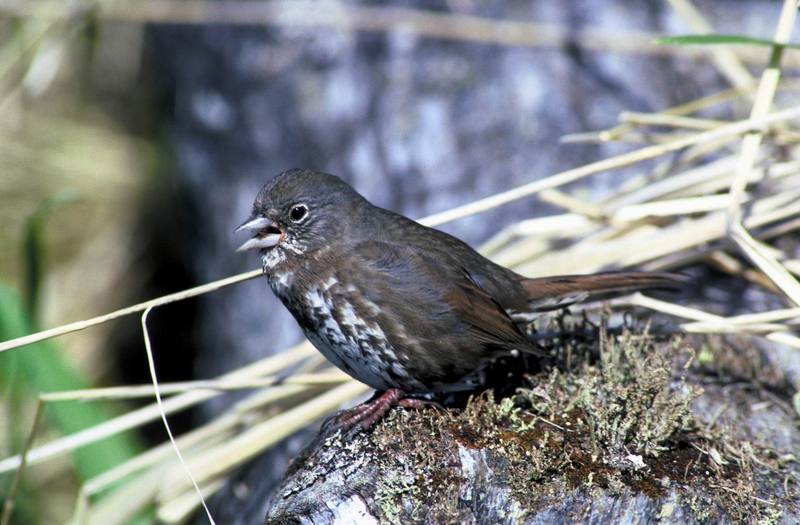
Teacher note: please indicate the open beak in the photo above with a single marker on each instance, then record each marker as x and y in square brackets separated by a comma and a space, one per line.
[267, 234]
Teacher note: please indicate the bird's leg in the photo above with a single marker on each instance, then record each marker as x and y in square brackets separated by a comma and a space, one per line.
[370, 412]
[367, 414]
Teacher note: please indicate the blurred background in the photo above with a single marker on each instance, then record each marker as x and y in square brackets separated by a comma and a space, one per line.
[134, 136]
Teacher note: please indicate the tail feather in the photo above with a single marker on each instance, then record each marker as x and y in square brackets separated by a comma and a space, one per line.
[551, 293]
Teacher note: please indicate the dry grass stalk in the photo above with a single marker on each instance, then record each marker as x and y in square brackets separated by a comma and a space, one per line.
[137, 391]
[351, 17]
[149, 413]
[133, 309]
[247, 444]
[751, 143]
[10, 500]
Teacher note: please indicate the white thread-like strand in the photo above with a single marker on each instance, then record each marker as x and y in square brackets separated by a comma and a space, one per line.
[151, 364]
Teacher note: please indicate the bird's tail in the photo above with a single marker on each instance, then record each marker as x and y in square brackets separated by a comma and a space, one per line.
[551, 293]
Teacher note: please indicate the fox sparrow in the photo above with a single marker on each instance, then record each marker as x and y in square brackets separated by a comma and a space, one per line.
[408, 310]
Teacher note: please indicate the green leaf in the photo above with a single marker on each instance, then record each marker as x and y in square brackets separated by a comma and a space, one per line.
[34, 250]
[719, 39]
[41, 367]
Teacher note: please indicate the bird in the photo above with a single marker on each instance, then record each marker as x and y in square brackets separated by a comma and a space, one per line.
[408, 310]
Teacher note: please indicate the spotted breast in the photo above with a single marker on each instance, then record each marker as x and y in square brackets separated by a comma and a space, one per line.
[356, 343]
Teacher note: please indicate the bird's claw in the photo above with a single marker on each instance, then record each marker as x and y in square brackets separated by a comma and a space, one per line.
[365, 415]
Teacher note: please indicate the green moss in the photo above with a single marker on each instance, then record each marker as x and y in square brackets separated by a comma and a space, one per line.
[390, 493]
[771, 517]
[702, 508]
[613, 418]
[626, 400]
[417, 463]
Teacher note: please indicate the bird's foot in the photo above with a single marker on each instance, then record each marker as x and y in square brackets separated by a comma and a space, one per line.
[365, 415]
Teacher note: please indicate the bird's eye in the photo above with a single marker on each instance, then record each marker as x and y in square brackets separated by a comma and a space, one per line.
[298, 212]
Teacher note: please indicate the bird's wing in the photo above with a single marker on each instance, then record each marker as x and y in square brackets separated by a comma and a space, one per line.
[436, 297]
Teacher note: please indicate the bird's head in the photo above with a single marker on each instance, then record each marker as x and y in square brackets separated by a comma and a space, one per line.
[300, 211]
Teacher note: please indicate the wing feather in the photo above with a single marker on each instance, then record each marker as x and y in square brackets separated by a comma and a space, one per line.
[421, 286]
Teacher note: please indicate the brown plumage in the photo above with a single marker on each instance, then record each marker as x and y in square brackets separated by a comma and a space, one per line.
[548, 293]
[395, 304]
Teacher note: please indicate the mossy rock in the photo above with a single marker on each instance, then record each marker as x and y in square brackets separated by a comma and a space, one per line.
[621, 432]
